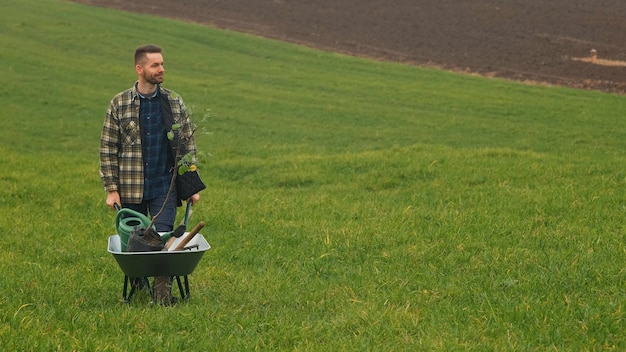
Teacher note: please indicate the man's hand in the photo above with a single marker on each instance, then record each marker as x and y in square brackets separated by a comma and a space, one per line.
[194, 199]
[113, 198]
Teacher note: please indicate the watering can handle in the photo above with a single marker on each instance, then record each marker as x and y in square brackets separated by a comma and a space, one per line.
[121, 213]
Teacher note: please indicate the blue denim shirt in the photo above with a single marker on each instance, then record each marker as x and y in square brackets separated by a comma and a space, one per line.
[157, 158]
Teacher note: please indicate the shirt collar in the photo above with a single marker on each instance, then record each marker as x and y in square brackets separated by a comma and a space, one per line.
[156, 92]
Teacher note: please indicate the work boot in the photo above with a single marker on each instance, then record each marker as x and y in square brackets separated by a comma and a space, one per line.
[163, 291]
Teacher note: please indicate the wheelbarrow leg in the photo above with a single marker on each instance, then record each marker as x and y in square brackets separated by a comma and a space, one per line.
[180, 288]
[186, 279]
[184, 292]
[126, 296]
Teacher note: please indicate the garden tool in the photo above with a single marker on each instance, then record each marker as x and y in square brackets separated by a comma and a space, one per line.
[190, 236]
[179, 231]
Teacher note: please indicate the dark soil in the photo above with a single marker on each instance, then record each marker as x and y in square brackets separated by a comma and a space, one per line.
[527, 40]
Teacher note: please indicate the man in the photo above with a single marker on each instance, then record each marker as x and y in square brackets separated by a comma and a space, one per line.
[136, 157]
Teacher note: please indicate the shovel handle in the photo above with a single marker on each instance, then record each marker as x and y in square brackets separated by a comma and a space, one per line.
[169, 243]
[190, 236]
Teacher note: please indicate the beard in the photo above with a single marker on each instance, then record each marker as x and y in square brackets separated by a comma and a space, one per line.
[154, 78]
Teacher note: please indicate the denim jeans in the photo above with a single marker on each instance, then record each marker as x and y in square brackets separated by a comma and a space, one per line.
[165, 222]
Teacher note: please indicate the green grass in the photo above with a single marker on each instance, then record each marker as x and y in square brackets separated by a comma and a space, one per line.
[352, 204]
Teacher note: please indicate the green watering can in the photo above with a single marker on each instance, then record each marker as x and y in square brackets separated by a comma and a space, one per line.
[126, 220]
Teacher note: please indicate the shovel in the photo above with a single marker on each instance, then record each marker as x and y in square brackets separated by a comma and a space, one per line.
[190, 236]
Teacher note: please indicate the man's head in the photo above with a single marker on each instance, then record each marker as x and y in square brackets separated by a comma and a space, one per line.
[149, 64]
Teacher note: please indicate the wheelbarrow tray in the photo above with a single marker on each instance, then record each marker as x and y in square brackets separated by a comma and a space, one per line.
[159, 263]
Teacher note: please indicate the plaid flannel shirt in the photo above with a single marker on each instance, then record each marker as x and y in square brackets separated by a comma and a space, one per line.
[121, 160]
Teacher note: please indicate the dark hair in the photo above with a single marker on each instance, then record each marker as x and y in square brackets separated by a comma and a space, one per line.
[140, 52]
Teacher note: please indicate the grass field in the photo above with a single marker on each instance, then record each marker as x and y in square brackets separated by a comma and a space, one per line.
[351, 204]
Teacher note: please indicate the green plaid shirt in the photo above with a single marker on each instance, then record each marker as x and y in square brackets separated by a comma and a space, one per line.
[121, 162]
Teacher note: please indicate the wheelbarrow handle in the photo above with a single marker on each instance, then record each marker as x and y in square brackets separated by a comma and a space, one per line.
[187, 210]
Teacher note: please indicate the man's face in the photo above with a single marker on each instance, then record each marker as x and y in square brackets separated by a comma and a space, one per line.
[151, 68]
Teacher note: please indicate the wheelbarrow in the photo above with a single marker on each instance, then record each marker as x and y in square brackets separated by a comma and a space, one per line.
[176, 264]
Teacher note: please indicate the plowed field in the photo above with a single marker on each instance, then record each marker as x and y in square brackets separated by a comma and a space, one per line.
[527, 40]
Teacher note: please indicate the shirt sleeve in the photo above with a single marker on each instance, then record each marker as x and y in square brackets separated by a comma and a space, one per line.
[109, 144]
[187, 129]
